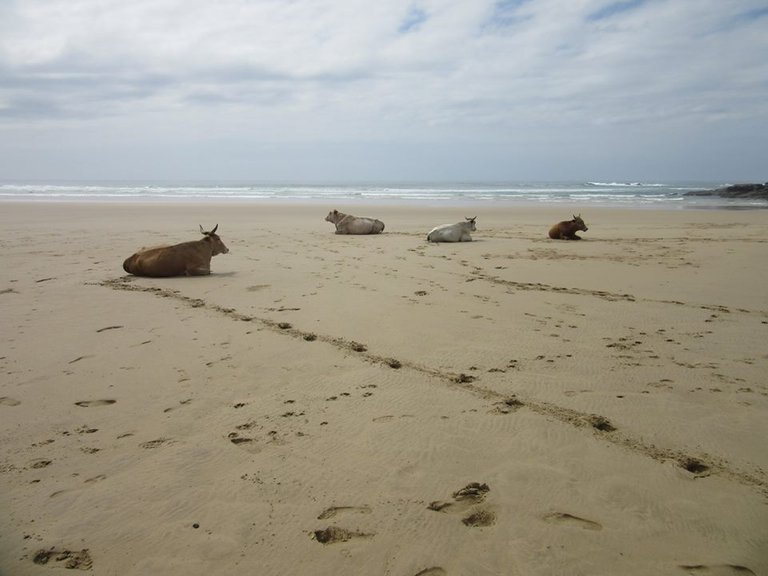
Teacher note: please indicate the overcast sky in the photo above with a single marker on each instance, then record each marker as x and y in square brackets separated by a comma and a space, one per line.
[398, 90]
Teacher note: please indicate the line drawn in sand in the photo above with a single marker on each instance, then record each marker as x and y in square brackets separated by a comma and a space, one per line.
[600, 425]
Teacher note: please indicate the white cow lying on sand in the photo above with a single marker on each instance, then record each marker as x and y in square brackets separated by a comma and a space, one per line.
[458, 232]
[348, 224]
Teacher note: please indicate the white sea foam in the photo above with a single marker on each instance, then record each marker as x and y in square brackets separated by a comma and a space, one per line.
[629, 194]
[627, 184]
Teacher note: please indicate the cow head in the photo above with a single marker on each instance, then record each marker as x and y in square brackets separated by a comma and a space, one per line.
[333, 216]
[216, 244]
[471, 222]
[579, 223]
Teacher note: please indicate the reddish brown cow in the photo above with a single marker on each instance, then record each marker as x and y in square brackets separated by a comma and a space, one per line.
[566, 230]
[185, 259]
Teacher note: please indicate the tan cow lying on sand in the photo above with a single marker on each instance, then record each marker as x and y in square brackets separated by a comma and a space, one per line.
[185, 259]
[348, 224]
[566, 230]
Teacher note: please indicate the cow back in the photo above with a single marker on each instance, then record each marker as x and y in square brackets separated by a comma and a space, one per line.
[459, 232]
[167, 261]
[359, 225]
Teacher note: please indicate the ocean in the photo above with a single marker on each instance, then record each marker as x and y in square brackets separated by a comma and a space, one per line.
[576, 194]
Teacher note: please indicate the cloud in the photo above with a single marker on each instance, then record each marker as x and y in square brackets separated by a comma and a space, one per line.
[409, 74]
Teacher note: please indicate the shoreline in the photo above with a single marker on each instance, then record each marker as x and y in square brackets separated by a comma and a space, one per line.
[710, 204]
[333, 395]
[681, 195]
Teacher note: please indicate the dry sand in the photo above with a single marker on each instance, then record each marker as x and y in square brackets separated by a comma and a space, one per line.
[349, 405]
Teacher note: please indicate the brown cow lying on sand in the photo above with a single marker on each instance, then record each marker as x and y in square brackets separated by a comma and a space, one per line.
[348, 224]
[566, 230]
[185, 259]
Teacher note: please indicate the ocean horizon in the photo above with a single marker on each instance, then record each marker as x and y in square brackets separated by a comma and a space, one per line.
[659, 195]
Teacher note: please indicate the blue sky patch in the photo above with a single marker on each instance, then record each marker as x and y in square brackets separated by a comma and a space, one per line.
[615, 8]
[413, 21]
[506, 14]
[753, 14]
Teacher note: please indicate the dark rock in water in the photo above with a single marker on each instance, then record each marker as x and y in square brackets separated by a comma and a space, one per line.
[752, 191]
[745, 191]
[701, 193]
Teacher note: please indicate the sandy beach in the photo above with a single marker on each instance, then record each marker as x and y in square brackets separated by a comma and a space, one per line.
[345, 405]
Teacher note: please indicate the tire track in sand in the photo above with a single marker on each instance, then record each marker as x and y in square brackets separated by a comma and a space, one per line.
[700, 466]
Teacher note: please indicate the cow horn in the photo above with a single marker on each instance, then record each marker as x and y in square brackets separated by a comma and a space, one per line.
[214, 229]
[470, 219]
[201, 229]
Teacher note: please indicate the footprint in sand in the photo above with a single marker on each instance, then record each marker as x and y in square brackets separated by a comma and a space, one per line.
[507, 406]
[466, 500]
[473, 493]
[245, 442]
[433, 571]
[73, 559]
[694, 466]
[6, 401]
[357, 347]
[334, 510]
[600, 423]
[718, 570]
[155, 443]
[479, 518]
[334, 534]
[569, 519]
[98, 478]
[181, 403]
[92, 403]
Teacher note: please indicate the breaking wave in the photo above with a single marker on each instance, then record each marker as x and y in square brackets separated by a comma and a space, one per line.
[577, 193]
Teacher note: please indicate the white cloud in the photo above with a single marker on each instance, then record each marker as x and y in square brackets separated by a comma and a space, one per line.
[441, 78]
